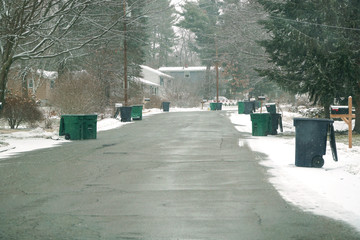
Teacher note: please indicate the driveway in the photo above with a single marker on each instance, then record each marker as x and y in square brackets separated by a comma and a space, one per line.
[169, 176]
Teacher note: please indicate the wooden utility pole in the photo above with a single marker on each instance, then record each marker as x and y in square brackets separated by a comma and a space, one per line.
[125, 58]
[217, 71]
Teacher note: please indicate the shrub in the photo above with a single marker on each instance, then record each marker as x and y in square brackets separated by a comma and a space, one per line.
[20, 109]
[49, 114]
[155, 102]
[315, 112]
[79, 93]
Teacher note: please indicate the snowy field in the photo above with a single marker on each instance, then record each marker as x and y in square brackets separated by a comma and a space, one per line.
[331, 190]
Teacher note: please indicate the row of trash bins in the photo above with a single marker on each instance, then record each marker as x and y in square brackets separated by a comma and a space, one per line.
[84, 126]
[262, 123]
[310, 140]
[311, 134]
[135, 112]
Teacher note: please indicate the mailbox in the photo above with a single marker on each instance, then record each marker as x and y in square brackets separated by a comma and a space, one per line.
[340, 110]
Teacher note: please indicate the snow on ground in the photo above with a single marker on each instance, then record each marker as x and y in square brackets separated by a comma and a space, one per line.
[13, 142]
[331, 191]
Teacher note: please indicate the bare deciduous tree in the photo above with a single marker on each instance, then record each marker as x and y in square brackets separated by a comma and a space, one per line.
[79, 93]
[39, 29]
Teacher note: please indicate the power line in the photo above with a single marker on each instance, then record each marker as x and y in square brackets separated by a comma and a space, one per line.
[315, 24]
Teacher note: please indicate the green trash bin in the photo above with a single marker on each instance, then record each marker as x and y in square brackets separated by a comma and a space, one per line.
[78, 126]
[215, 106]
[241, 107]
[261, 124]
[136, 112]
[89, 126]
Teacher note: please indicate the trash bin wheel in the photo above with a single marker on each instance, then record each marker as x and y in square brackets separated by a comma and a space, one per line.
[67, 136]
[317, 162]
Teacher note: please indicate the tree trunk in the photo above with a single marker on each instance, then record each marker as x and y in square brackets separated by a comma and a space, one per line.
[327, 110]
[3, 80]
[24, 83]
[6, 61]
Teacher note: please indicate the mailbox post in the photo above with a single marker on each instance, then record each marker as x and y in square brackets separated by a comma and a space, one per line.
[202, 103]
[346, 117]
[261, 99]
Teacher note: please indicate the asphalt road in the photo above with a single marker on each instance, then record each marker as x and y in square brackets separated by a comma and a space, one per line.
[169, 176]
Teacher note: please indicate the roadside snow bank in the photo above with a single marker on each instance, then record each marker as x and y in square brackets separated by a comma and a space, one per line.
[13, 142]
[331, 191]
[16, 142]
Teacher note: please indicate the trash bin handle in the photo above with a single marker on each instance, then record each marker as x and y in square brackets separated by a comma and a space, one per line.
[333, 142]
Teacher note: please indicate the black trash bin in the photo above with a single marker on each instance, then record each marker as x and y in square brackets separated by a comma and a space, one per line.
[257, 105]
[249, 107]
[276, 122]
[125, 113]
[310, 141]
[219, 106]
[271, 108]
[166, 106]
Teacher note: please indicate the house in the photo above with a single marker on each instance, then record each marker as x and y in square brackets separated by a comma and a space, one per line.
[46, 83]
[189, 74]
[154, 81]
[194, 79]
[40, 83]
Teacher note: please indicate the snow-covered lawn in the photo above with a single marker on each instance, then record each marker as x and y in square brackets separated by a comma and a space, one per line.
[13, 142]
[332, 191]
[20, 140]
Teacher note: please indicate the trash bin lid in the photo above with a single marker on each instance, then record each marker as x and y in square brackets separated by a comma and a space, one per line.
[77, 115]
[296, 120]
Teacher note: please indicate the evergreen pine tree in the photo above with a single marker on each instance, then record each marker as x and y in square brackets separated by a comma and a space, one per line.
[202, 18]
[314, 48]
[161, 33]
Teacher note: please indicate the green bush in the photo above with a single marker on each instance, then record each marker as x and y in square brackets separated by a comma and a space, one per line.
[20, 109]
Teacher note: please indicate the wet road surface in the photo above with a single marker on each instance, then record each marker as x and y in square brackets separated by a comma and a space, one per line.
[169, 176]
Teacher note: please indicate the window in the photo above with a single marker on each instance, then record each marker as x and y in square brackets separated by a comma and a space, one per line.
[52, 84]
[153, 90]
[31, 83]
[186, 74]
[161, 81]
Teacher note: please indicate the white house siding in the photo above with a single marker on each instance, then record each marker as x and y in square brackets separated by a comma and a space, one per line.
[154, 76]
[189, 74]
